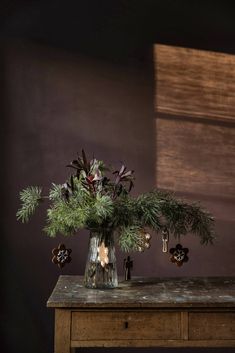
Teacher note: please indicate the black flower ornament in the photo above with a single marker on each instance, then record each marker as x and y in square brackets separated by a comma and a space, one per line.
[61, 255]
[179, 255]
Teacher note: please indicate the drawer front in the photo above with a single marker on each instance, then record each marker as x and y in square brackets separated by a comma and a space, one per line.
[212, 326]
[125, 325]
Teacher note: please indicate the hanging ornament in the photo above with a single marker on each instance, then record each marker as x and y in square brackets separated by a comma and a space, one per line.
[165, 239]
[144, 241]
[128, 265]
[61, 255]
[103, 254]
[179, 255]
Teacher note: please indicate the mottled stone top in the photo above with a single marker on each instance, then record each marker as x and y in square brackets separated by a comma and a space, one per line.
[146, 292]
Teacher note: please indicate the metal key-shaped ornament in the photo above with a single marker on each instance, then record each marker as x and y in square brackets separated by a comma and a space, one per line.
[165, 239]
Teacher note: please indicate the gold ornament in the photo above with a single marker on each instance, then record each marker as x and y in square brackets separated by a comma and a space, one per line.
[103, 254]
[165, 239]
[144, 241]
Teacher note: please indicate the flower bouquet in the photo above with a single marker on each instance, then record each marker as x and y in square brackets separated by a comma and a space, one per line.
[100, 200]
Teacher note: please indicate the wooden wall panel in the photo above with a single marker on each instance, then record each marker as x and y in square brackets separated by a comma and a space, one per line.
[194, 83]
[195, 106]
[195, 157]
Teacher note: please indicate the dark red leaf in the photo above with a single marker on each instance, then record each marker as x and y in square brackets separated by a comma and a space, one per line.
[71, 166]
[86, 166]
[122, 170]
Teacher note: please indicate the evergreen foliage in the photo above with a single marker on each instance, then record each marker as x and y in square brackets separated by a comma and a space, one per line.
[30, 198]
[89, 199]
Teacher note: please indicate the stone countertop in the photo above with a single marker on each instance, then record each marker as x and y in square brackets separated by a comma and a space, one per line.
[146, 292]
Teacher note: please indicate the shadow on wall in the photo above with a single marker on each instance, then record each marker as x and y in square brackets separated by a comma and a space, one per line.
[56, 104]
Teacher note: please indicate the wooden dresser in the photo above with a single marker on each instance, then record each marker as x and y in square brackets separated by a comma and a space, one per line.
[145, 312]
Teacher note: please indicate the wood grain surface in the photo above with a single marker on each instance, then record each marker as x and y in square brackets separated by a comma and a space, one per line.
[62, 331]
[210, 326]
[196, 158]
[125, 325]
[156, 343]
[195, 125]
[194, 83]
[145, 312]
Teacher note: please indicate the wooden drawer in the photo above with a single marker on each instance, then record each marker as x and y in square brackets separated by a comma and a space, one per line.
[212, 326]
[130, 325]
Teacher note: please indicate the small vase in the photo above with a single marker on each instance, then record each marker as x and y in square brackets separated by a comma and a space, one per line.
[101, 268]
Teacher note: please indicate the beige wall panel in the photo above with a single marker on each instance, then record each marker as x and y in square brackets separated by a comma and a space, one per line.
[195, 157]
[194, 83]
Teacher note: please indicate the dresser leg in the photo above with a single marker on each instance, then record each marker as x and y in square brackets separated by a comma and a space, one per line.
[62, 331]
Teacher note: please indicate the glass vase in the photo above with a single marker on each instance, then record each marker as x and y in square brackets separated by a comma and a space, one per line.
[101, 268]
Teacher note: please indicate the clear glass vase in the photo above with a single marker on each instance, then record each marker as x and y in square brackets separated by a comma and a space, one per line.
[101, 268]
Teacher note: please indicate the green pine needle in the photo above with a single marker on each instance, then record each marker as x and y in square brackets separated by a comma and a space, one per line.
[91, 200]
[55, 192]
[129, 238]
[30, 198]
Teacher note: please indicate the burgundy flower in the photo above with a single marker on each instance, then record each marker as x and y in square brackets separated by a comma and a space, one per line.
[90, 179]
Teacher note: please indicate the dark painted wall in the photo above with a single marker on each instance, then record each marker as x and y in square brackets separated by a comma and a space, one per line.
[78, 74]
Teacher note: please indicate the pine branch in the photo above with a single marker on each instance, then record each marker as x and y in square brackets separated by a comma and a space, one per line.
[89, 199]
[149, 211]
[129, 238]
[158, 209]
[65, 217]
[124, 212]
[202, 224]
[30, 198]
[101, 210]
[56, 192]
